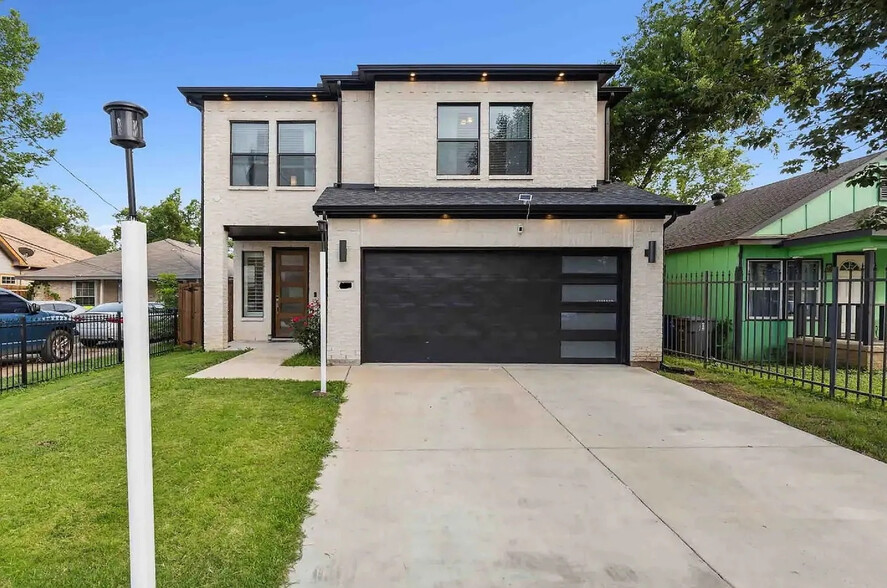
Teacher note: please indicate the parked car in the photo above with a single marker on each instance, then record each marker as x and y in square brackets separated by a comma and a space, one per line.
[104, 323]
[51, 334]
[68, 308]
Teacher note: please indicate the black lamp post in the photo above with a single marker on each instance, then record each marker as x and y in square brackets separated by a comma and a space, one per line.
[127, 131]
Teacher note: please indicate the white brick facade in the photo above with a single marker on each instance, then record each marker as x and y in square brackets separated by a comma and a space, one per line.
[645, 318]
[564, 130]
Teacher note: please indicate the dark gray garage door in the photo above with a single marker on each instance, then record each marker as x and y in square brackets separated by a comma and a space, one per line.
[494, 306]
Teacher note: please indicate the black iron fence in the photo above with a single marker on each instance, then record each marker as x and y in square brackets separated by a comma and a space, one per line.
[38, 348]
[822, 328]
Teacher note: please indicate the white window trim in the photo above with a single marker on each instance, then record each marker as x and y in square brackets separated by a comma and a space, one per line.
[777, 286]
[95, 291]
[803, 288]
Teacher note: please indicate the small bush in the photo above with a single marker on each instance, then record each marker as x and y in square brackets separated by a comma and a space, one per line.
[308, 328]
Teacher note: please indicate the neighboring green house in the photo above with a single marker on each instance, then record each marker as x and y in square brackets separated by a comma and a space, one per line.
[777, 245]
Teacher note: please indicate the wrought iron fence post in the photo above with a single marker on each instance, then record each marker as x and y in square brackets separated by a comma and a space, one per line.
[706, 297]
[833, 334]
[738, 292]
[24, 352]
[119, 337]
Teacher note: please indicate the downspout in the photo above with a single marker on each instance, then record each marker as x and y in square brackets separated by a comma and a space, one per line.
[607, 143]
[664, 367]
[339, 131]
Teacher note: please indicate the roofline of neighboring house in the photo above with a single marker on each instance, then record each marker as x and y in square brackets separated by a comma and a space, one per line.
[840, 236]
[768, 240]
[17, 260]
[366, 76]
[872, 157]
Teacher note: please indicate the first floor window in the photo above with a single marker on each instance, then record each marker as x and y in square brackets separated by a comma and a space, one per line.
[803, 277]
[84, 293]
[7, 280]
[253, 283]
[764, 289]
[249, 153]
[296, 159]
[458, 139]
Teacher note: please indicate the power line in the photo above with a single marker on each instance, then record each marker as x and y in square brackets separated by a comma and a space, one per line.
[37, 144]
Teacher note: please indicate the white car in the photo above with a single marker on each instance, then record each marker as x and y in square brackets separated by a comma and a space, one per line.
[68, 308]
[104, 323]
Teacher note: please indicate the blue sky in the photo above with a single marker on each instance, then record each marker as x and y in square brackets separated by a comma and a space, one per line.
[94, 52]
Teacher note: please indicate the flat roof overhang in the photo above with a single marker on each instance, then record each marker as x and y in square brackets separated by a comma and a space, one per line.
[273, 232]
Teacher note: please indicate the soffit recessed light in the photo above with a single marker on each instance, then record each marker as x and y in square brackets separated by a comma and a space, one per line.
[281, 232]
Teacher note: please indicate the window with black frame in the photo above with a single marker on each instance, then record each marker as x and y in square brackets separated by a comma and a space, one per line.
[296, 154]
[511, 139]
[249, 153]
[458, 139]
[803, 277]
[253, 284]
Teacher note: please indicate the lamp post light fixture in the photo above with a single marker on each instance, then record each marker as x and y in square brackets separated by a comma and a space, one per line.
[127, 131]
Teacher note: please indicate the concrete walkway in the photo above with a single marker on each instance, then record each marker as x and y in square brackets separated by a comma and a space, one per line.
[582, 476]
[263, 361]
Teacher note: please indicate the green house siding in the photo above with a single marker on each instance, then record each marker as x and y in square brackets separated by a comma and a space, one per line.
[835, 203]
[762, 340]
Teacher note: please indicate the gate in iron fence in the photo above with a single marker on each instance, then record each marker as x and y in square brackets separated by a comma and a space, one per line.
[825, 330]
[41, 347]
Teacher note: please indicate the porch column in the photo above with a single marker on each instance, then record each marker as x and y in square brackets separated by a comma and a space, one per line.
[868, 297]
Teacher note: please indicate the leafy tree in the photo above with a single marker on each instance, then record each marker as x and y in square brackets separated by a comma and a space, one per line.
[695, 172]
[21, 124]
[88, 238]
[698, 85]
[167, 290]
[168, 219]
[40, 207]
[844, 98]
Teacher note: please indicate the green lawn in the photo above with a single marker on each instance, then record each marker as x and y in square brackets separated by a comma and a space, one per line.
[301, 359]
[857, 425]
[234, 462]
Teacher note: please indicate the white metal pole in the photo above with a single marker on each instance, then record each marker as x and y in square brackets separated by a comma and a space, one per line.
[137, 382]
[323, 319]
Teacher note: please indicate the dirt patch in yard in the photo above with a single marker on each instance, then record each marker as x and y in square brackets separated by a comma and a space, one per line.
[762, 404]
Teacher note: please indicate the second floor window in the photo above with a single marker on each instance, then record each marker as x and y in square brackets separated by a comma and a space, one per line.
[296, 159]
[249, 154]
[458, 139]
[510, 139]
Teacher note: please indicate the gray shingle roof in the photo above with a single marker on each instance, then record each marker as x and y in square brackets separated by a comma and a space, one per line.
[612, 197]
[164, 257]
[742, 213]
[839, 225]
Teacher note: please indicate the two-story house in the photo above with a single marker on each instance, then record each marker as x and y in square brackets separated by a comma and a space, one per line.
[468, 212]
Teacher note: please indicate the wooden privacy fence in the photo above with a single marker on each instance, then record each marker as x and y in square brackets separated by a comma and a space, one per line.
[190, 314]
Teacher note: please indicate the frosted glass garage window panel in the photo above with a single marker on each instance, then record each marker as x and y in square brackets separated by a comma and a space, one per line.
[458, 138]
[510, 139]
[589, 264]
[296, 154]
[588, 349]
[588, 321]
[249, 154]
[588, 293]
[253, 284]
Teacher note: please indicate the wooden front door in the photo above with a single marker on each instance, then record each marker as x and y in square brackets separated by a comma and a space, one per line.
[290, 289]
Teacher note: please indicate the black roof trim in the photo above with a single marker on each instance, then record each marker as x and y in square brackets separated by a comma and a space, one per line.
[605, 201]
[613, 94]
[366, 76]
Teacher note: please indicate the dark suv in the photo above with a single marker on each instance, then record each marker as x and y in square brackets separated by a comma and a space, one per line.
[51, 334]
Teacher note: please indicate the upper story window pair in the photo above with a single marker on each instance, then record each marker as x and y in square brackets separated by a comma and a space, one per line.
[458, 139]
[296, 154]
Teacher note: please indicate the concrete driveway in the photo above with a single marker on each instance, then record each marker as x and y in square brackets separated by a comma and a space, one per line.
[582, 476]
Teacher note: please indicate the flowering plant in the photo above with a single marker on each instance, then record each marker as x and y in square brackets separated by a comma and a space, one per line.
[307, 328]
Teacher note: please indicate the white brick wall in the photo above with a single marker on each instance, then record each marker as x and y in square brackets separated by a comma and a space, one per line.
[646, 278]
[358, 141]
[564, 130]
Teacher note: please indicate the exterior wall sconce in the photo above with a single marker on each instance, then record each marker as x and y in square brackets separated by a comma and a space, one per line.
[650, 252]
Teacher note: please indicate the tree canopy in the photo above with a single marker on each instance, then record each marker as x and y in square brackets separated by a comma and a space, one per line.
[168, 219]
[21, 123]
[844, 99]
